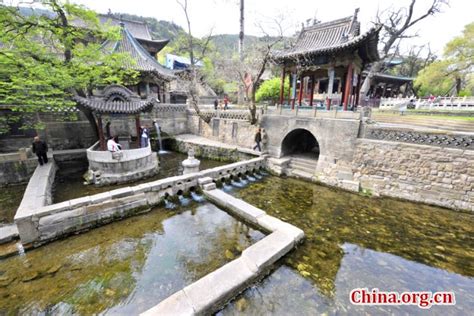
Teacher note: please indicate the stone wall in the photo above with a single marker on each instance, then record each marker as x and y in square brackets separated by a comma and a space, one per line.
[211, 150]
[62, 133]
[229, 131]
[15, 172]
[422, 173]
[38, 224]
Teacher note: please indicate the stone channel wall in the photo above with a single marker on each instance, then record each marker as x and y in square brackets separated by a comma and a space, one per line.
[227, 130]
[211, 150]
[208, 294]
[421, 173]
[38, 224]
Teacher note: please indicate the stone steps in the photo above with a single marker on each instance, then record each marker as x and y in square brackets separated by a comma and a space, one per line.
[301, 174]
[304, 168]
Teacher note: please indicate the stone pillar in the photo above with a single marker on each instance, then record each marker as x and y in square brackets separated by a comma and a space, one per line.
[282, 86]
[300, 94]
[293, 91]
[330, 87]
[191, 164]
[311, 97]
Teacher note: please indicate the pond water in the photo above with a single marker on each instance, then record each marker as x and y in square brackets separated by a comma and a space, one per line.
[10, 199]
[125, 267]
[359, 242]
[70, 185]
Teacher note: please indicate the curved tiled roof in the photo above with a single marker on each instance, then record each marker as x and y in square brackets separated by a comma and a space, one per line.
[141, 60]
[117, 107]
[139, 30]
[330, 37]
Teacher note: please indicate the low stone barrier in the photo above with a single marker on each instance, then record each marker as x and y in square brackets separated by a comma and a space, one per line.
[211, 292]
[124, 166]
[38, 224]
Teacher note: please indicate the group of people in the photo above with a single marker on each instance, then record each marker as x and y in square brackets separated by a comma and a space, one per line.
[113, 144]
[218, 103]
[40, 148]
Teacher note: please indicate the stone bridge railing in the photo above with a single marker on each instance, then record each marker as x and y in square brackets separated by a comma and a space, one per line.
[312, 112]
[441, 103]
[243, 115]
[38, 224]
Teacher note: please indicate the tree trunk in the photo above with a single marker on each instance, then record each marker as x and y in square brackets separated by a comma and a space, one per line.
[364, 89]
[458, 86]
[241, 50]
[253, 108]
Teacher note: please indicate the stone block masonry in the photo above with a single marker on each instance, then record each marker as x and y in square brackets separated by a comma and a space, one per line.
[420, 173]
[212, 291]
[41, 223]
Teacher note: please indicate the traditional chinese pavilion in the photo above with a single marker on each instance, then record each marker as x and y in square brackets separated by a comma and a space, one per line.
[326, 62]
[131, 100]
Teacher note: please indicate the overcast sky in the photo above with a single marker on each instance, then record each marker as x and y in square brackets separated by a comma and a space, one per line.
[222, 16]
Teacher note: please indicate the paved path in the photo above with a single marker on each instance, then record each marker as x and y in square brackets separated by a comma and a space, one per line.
[428, 121]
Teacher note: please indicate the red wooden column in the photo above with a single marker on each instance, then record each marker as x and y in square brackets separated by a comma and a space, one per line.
[300, 94]
[137, 125]
[101, 133]
[347, 90]
[282, 86]
[311, 97]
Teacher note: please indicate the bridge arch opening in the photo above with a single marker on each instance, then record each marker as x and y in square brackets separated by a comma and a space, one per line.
[300, 142]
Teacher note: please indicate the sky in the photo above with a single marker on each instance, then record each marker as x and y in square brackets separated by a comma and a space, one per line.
[222, 16]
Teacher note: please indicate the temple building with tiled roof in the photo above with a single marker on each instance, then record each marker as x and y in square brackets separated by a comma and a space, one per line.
[326, 62]
[152, 87]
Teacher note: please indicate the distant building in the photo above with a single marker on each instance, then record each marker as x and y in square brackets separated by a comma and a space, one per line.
[179, 62]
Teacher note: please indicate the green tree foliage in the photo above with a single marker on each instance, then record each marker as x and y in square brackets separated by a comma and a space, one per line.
[45, 59]
[454, 71]
[270, 90]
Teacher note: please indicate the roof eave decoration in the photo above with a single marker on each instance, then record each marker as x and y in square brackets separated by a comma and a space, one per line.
[358, 41]
[116, 107]
[142, 60]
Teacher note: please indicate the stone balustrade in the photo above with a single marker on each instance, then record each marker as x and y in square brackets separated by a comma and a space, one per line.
[123, 166]
[38, 224]
[440, 103]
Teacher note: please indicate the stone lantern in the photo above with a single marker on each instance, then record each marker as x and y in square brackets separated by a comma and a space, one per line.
[191, 164]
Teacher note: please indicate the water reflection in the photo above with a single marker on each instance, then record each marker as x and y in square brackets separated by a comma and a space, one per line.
[426, 236]
[286, 292]
[10, 199]
[125, 267]
[69, 185]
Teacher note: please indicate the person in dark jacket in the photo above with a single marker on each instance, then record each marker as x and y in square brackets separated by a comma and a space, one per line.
[40, 148]
[258, 139]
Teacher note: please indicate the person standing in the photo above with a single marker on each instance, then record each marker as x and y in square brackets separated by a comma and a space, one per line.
[258, 139]
[112, 145]
[40, 148]
[144, 138]
[226, 102]
[216, 103]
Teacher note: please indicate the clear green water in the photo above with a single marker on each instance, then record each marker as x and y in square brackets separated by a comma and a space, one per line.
[10, 199]
[70, 185]
[356, 242]
[125, 267]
